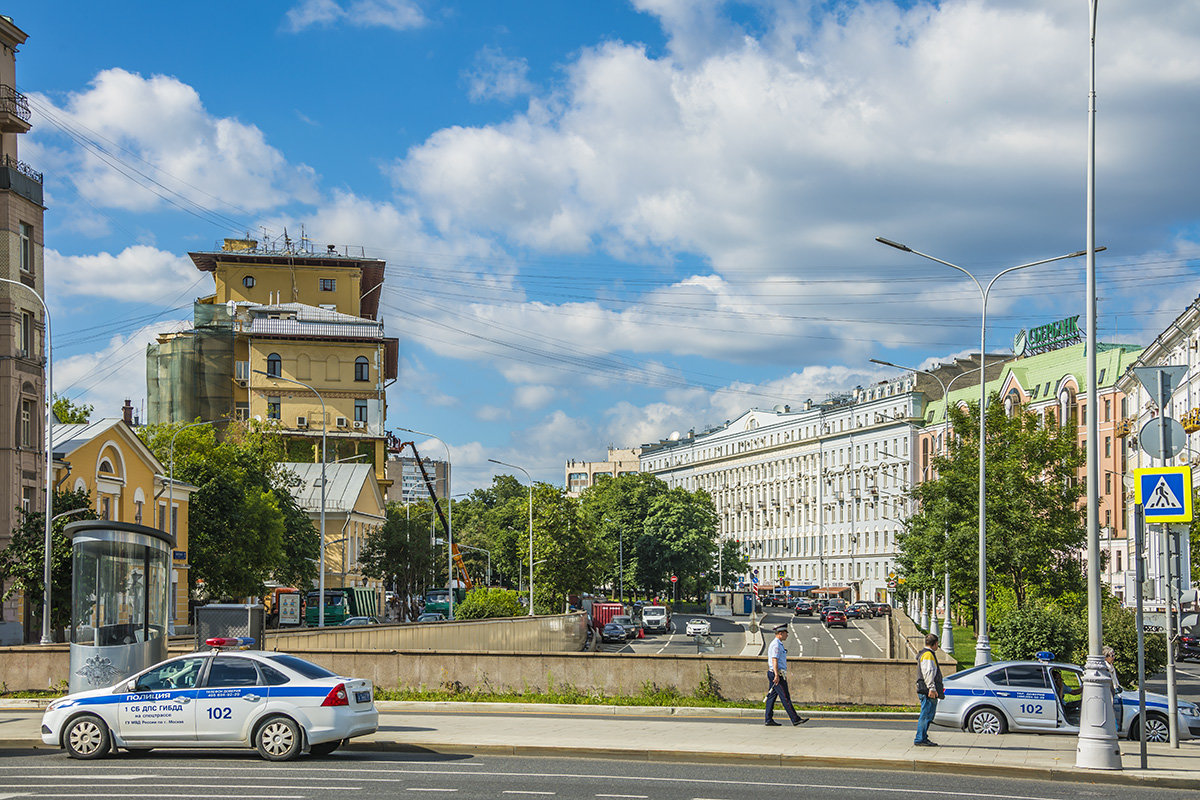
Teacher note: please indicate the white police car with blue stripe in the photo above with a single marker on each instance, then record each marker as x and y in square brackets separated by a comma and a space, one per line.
[1044, 697]
[278, 703]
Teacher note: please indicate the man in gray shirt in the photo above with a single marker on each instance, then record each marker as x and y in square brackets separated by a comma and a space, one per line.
[777, 679]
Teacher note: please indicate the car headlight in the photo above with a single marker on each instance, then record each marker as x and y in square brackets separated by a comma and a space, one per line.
[62, 703]
[1189, 711]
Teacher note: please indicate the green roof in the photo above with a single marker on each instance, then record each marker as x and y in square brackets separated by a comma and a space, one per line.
[1033, 373]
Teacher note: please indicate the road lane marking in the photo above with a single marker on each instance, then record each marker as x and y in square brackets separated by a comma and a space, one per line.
[517, 791]
[420, 789]
[631, 796]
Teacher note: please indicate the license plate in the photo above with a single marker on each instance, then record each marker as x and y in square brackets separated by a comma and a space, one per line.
[362, 697]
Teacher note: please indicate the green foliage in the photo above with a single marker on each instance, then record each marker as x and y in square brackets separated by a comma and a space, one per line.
[400, 554]
[1120, 633]
[68, 412]
[22, 564]
[709, 687]
[679, 538]
[567, 546]
[244, 526]
[484, 603]
[1034, 521]
[1021, 634]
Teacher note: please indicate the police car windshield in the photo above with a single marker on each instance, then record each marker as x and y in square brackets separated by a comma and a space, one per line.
[305, 668]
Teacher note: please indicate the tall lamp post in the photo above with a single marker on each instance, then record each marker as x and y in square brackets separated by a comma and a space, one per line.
[324, 428]
[46, 638]
[1097, 747]
[529, 478]
[449, 523]
[983, 648]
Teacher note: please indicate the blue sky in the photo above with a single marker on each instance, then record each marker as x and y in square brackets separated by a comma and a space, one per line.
[605, 221]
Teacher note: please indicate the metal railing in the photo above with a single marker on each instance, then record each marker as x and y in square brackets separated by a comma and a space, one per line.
[23, 168]
[13, 102]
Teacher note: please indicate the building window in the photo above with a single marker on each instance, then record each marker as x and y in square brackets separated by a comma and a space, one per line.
[26, 334]
[174, 520]
[328, 284]
[162, 516]
[26, 248]
[1108, 483]
[105, 508]
[1108, 410]
[360, 410]
[274, 365]
[137, 515]
[1118, 561]
[362, 369]
[1107, 446]
[26, 423]
[248, 281]
[273, 408]
[27, 498]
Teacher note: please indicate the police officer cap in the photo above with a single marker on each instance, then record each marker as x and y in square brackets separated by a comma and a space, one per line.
[779, 628]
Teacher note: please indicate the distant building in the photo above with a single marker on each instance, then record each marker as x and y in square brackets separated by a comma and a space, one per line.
[407, 482]
[582, 474]
[278, 317]
[22, 321]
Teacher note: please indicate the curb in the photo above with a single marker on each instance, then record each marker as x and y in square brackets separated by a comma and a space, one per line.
[1059, 775]
[451, 707]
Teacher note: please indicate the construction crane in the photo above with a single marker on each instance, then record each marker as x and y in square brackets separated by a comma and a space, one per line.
[396, 445]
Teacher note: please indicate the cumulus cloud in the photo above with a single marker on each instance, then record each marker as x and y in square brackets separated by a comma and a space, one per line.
[198, 158]
[495, 76]
[138, 273]
[532, 397]
[398, 15]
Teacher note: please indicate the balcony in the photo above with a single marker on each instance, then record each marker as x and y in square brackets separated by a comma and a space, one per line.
[14, 110]
[19, 177]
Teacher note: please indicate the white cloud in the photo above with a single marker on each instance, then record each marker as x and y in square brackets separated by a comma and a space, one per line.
[532, 397]
[138, 273]
[163, 130]
[399, 15]
[107, 377]
[495, 76]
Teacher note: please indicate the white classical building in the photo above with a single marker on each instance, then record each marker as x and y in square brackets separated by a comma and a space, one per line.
[815, 496]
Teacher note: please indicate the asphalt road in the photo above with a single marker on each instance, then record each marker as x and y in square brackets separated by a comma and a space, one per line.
[730, 633]
[809, 638]
[367, 776]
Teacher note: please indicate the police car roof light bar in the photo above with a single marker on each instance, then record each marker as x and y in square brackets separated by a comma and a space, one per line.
[240, 642]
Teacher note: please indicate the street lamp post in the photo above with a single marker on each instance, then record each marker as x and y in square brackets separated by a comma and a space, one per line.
[46, 638]
[983, 648]
[324, 429]
[449, 523]
[530, 479]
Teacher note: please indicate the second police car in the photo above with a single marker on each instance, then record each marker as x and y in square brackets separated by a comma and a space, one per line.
[277, 703]
[1044, 697]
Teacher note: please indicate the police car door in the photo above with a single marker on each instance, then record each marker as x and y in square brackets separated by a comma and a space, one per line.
[161, 706]
[230, 696]
[1025, 693]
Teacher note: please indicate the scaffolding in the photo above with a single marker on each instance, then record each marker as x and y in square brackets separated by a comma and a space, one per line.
[189, 374]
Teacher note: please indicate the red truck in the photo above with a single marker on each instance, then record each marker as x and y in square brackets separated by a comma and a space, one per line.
[602, 613]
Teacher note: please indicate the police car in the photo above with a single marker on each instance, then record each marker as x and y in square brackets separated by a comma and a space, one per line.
[278, 703]
[1044, 697]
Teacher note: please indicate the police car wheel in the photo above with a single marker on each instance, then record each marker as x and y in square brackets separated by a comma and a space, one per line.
[1157, 729]
[86, 737]
[325, 748]
[986, 720]
[278, 739]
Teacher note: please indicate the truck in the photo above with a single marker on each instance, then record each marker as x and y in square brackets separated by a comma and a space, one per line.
[656, 619]
[437, 599]
[341, 603]
[602, 613]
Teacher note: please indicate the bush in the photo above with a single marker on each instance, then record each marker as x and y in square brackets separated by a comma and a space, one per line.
[484, 603]
[1025, 631]
[1120, 633]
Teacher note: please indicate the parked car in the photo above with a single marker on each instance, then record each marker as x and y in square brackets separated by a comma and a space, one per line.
[1045, 697]
[1189, 647]
[277, 703]
[432, 616]
[361, 621]
[614, 632]
[882, 609]
[835, 617]
[804, 608]
[698, 627]
[825, 609]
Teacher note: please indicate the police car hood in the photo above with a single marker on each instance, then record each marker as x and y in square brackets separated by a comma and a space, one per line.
[79, 698]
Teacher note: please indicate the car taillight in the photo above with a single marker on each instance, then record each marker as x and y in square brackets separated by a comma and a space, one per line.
[337, 696]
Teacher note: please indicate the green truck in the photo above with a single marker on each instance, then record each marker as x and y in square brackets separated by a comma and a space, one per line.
[438, 600]
[341, 604]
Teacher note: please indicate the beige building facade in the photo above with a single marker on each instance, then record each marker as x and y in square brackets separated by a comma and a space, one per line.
[22, 321]
[582, 474]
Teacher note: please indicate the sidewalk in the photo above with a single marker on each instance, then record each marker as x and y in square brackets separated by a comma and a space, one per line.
[723, 736]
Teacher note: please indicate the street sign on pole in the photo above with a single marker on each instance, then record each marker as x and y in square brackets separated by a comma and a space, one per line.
[1165, 493]
[1162, 438]
[674, 579]
[1148, 376]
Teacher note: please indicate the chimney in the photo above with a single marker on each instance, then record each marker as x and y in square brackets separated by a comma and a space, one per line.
[127, 412]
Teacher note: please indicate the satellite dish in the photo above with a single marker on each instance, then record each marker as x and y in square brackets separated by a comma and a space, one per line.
[780, 408]
[674, 437]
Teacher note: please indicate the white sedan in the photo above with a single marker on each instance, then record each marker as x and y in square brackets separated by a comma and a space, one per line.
[280, 704]
[699, 627]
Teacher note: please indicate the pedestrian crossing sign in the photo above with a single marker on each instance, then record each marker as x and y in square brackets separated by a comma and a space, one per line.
[1165, 493]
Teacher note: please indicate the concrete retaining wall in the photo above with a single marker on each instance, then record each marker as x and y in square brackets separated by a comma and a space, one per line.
[541, 634]
[907, 640]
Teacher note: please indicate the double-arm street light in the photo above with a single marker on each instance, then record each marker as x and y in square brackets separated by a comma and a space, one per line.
[983, 648]
[324, 429]
[46, 638]
[449, 522]
[529, 478]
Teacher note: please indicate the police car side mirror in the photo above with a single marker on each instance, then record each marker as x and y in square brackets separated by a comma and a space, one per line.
[131, 685]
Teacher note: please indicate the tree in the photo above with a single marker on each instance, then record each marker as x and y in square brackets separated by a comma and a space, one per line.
[733, 562]
[245, 527]
[1034, 519]
[681, 530]
[401, 555]
[616, 508]
[68, 412]
[567, 546]
[23, 561]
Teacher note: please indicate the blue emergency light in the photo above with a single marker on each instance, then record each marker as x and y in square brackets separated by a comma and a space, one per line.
[221, 642]
[1045, 655]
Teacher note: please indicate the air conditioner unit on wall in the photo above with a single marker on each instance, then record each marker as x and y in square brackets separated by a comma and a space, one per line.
[359, 424]
[301, 422]
[342, 422]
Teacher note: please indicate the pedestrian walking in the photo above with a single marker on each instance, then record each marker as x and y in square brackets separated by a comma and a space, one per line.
[929, 689]
[777, 679]
[1110, 656]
